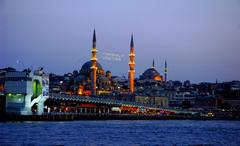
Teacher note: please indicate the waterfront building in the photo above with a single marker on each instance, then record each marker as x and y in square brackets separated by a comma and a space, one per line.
[206, 102]
[55, 83]
[184, 100]
[26, 92]
[120, 84]
[2, 88]
[159, 101]
[2, 78]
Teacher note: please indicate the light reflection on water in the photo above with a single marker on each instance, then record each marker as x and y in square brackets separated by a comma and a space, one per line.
[165, 132]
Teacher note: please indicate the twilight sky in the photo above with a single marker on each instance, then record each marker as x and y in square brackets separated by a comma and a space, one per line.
[199, 38]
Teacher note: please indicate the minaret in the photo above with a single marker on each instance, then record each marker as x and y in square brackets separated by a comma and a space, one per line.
[153, 64]
[165, 71]
[131, 67]
[94, 65]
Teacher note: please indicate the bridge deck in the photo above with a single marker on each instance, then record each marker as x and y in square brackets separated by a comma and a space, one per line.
[110, 102]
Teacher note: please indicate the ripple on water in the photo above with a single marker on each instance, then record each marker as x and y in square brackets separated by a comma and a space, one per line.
[169, 132]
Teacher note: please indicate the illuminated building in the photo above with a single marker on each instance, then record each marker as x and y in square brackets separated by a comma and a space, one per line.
[94, 65]
[26, 92]
[131, 67]
[151, 74]
[84, 79]
[2, 89]
[91, 79]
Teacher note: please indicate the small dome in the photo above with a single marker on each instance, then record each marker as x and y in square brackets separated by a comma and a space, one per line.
[103, 82]
[86, 68]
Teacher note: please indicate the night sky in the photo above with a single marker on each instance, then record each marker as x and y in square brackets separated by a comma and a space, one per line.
[199, 38]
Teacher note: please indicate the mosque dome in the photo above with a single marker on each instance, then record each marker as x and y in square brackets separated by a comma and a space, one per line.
[86, 69]
[151, 73]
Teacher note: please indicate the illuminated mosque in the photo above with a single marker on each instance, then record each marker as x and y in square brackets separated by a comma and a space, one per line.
[93, 80]
[151, 74]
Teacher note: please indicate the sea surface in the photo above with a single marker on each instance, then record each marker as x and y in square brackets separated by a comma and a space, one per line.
[115, 132]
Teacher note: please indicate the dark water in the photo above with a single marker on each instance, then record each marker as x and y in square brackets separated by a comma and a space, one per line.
[169, 132]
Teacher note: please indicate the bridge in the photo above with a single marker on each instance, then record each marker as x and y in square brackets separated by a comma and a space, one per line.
[99, 104]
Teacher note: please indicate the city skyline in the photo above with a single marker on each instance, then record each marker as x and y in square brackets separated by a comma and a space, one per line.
[199, 46]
